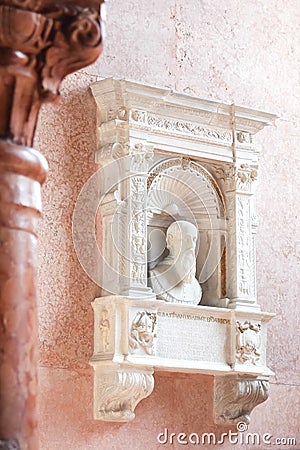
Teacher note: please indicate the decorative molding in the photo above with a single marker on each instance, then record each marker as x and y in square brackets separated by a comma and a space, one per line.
[143, 332]
[236, 397]
[55, 39]
[118, 391]
[155, 121]
[248, 342]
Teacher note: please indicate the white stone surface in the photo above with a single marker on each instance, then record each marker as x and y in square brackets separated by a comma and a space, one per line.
[173, 279]
[173, 158]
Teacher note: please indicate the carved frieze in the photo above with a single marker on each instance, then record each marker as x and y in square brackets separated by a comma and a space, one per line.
[155, 121]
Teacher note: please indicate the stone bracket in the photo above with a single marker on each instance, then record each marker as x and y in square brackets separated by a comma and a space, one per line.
[118, 389]
[236, 396]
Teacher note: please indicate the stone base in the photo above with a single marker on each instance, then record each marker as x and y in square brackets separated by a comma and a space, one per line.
[134, 336]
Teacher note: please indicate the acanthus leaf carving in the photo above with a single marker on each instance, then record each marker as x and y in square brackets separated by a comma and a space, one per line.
[40, 44]
[240, 177]
[118, 391]
[237, 396]
[77, 36]
[145, 119]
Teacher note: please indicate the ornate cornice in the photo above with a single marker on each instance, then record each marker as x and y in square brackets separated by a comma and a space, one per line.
[40, 43]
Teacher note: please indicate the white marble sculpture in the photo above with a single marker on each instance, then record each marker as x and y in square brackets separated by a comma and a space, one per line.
[173, 279]
[164, 154]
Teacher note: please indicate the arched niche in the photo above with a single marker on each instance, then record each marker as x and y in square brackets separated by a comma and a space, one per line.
[181, 189]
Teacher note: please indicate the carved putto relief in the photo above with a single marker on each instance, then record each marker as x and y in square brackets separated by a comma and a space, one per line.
[104, 329]
[248, 342]
[143, 332]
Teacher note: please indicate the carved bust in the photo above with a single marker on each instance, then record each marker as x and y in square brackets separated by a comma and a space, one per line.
[173, 279]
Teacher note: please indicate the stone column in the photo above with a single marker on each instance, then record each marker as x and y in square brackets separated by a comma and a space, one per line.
[133, 222]
[40, 43]
[242, 223]
[140, 157]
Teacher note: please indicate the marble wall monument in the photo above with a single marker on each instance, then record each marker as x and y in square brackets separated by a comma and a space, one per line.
[177, 249]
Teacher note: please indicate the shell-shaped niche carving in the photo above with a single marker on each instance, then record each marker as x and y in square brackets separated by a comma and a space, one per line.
[184, 189]
[180, 189]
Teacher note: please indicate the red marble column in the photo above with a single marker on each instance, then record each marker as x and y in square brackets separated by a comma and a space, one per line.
[40, 43]
[22, 170]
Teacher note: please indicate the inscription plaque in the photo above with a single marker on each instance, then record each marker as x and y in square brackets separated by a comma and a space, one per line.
[177, 331]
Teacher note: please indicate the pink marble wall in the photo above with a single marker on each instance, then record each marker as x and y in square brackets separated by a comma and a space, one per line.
[242, 51]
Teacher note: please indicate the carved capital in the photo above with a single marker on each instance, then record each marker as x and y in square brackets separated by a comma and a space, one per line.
[236, 397]
[40, 43]
[237, 178]
[141, 157]
[118, 391]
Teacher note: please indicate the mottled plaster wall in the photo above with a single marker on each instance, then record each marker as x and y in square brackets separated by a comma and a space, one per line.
[242, 51]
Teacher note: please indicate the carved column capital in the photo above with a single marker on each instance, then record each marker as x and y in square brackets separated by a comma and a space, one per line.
[40, 43]
[238, 177]
[141, 157]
